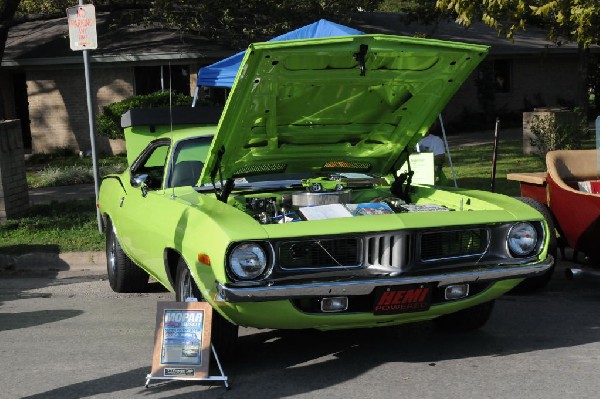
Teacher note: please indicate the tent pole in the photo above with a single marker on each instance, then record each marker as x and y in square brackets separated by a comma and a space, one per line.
[195, 97]
[447, 150]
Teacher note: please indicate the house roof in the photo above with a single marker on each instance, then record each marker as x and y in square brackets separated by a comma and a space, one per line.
[47, 42]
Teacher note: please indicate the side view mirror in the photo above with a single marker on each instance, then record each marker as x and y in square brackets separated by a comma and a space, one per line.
[139, 180]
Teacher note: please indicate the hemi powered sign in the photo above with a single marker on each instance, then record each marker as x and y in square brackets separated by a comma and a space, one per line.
[402, 299]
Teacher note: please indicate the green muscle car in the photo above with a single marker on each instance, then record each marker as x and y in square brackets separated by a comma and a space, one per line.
[213, 205]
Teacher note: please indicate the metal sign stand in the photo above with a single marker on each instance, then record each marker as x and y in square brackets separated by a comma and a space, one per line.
[221, 377]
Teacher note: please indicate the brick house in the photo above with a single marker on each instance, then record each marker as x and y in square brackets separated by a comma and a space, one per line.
[42, 80]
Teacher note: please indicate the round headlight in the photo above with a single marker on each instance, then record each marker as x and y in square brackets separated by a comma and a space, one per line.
[522, 239]
[248, 261]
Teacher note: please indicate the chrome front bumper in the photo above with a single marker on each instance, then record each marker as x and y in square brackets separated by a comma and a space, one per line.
[365, 287]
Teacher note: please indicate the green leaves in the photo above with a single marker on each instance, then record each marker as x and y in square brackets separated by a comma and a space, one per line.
[108, 123]
[577, 20]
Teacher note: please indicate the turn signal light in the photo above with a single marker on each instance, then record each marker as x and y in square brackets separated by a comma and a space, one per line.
[204, 258]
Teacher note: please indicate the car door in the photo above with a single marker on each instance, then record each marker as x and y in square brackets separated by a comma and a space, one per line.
[149, 211]
[145, 212]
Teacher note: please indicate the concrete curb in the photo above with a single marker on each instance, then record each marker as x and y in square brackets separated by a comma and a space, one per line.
[46, 261]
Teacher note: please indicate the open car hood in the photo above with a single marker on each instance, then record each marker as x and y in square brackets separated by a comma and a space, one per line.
[343, 104]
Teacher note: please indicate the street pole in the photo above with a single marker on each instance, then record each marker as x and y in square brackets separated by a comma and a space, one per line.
[92, 124]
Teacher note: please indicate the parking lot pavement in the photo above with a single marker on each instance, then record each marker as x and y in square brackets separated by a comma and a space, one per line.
[65, 334]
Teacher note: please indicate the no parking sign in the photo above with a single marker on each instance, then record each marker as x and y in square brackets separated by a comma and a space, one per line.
[82, 27]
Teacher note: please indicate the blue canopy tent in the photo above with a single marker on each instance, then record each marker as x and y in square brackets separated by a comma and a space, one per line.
[222, 73]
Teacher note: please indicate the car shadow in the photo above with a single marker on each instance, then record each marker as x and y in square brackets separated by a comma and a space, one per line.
[10, 271]
[14, 321]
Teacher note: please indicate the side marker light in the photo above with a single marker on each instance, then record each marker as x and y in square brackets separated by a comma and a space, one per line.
[204, 258]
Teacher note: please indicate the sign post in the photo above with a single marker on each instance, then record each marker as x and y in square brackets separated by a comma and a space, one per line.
[82, 36]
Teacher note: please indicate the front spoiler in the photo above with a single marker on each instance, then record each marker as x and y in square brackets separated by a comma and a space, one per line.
[365, 287]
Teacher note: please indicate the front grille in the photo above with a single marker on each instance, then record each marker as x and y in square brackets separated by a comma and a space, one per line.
[319, 253]
[453, 244]
[387, 251]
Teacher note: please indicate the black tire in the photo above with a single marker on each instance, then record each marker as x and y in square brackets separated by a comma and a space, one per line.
[223, 333]
[123, 274]
[534, 284]
[467, 319]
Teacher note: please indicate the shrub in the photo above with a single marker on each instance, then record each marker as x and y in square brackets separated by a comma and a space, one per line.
[108, 124]
[550, 134]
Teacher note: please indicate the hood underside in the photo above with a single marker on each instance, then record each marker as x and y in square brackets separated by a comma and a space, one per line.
[339, 104]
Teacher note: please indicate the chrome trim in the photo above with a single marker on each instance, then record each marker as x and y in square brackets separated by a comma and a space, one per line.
[386, 252]
[365, 287]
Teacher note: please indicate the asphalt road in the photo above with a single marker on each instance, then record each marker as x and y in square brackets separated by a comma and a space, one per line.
[67, 335]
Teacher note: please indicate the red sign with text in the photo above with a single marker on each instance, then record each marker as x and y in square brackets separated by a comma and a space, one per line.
[402, 299]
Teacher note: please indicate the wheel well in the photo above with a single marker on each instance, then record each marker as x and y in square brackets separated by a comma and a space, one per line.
[171, 258]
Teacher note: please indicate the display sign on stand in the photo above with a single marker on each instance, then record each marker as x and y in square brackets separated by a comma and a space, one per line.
[423, 166]
[182, 344]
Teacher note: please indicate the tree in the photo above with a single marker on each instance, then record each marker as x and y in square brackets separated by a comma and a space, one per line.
[235, 22]
[8, 8]
[572, 20]
[423, 11]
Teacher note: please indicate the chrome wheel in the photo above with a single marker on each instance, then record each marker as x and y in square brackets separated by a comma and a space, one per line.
[185, 288]
[112, 255]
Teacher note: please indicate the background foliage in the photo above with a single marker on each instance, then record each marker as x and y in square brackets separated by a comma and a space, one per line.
[108, 123]
[550, 134]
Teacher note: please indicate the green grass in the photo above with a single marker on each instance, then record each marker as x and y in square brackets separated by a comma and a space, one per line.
[473, 166]
[56, 227]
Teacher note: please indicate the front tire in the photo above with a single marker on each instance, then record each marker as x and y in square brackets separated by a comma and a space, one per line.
[123, 274]
[223, 333]
[533, 284]
[467, 319]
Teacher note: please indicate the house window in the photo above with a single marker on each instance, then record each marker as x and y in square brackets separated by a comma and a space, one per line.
[150, 79]
[502, 76]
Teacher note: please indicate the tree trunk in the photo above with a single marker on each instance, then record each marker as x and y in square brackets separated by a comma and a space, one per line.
[7, 13]
[583, 96]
